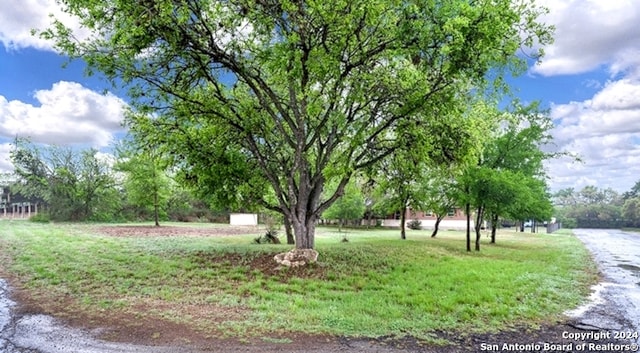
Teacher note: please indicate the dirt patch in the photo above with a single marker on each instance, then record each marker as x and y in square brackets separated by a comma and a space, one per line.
[144, 322]
[175, 231]
[262, 262]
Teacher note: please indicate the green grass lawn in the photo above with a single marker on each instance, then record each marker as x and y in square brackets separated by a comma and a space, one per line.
[374, 285]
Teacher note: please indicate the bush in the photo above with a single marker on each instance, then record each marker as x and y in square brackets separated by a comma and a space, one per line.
[41, 217]
[596, 223]
[415, 224]
[270, 237]
[569, 223]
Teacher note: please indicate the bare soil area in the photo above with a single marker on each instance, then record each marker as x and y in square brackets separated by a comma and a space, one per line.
[140, 325]
[174, 231]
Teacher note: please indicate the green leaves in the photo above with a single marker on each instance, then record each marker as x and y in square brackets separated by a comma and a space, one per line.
[593, 207]
[146, 185]
[293, 93]
[631, 211]
[74, 184]
[506, 180]
[350, 206]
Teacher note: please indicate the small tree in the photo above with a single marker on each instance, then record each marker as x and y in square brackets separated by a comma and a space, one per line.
[400, 184]
[146, 185]
[440, 195]
[512, 155]
[348, 207]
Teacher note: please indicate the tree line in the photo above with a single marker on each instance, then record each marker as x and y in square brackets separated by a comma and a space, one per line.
[593, 207]
[500, 178]
[85, 185]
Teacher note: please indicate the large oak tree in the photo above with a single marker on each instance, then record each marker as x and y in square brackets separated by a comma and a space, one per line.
[287, 95]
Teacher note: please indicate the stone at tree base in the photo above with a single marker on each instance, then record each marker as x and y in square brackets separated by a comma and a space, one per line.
[296, 257]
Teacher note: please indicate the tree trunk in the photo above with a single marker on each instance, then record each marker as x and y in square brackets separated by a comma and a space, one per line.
[302, 204]
[439, 218]
[287, 229]
[403, 219]
[533, 226]
[156, 212]
[467, 209]
[303, 208]
[494, 226]
[304, 227]
[478, 225]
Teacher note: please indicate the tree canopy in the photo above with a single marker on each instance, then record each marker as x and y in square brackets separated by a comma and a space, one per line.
[508, 177]
[349, 207]
[400, 184]
[75, 185]
[294, 94]
[593, 207]
[146, 184]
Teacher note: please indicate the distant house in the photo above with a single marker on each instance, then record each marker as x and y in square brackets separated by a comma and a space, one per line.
[454, 220]
[15, 205]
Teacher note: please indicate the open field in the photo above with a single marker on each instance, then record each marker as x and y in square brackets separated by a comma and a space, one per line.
[211, 282]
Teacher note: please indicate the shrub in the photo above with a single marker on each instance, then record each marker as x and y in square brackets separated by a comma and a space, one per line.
[41, 217]
[270, 237]
[414, 224]
[569, 223]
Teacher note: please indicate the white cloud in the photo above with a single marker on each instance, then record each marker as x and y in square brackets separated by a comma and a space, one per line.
[5, 163]
[19, 17]
[590, 34]
[605, 129]
[621, 95]
[614, 109]
[68, 113]
[605, 132]
[107, 158]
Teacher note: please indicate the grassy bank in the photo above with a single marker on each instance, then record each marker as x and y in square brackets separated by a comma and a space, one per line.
[376, 284]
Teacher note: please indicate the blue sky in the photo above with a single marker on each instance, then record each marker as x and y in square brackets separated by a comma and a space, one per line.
[589, 79]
